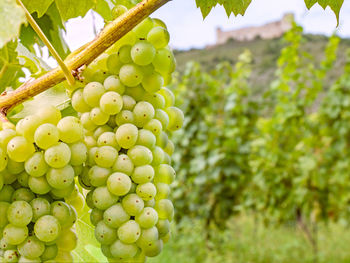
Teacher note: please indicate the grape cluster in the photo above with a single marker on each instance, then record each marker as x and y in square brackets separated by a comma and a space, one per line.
[126, 113]
[39, 159]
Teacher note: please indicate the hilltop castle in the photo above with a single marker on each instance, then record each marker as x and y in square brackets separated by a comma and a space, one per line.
[268, 31]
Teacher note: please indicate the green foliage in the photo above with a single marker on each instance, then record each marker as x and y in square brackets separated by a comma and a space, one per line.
[214, 144]
[335, 5]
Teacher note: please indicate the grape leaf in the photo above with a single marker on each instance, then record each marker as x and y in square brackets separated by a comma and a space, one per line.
[11, 18]
[103, 7]
[237, 7]
[335, 5]
[10, 68]
[69, 9]
[39, 6]
[31, 61]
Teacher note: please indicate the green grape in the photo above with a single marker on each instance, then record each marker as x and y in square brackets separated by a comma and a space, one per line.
[15, 235]
[47, 228]
[10, 256]
[153, 249]
[163, 191]
[114, 64]
[92, 93]
[90, 141]
[147, 218]
[61, 211]
[142, 29]
[108, 139]
[1, 181]
[105, 156]
[146, 191]
[6, 193]
[78, 203]
[119, 184]
[106, 251]
[111, 103]
[168, 96]
[49, 114]
[128, 103]
[78, 102]
[158, 156]
[164, 173]
[78, 153]
[121, 250]
[7, 178]
[143, 113]
[86, 122]
[113, 83]
[27, 127]
[138, 92]
[19, 213]
[148, 235]
[124, 54]
[103, 199]
[98, 175]
[143, 53]
[129, 232]
[39, 185]
[166, 238]
[91, 156]
[40, 207]
[67, 241]
[31, 248]
[105, 234]
[154, 126]
[98, 117]
[3, 160]
[63, 257]
[102, 129]
[60, 178]
[169, 148]
[3, 214]
[123, 164]
[146, 138]
[157, 22]
[19, 149]
[143, 174]
[96, 215]
[36, 166]
[4, 245]
[70, 129]
[46, 135]
[159, 37]
[5, 136]
[58, 156]
[22, 179]
[163, 227]
[164, 61]
[140, 155]
[62, 193]
[165, 209]
[50, 252]
[162, 140]
[131, 75]
[115, 216]
[126, 135]
[124, 117]
[176, 118]
[132, 204]
[157, 100]
[22, 194]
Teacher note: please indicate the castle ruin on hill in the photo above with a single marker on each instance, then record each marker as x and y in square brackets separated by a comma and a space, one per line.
[268, 31]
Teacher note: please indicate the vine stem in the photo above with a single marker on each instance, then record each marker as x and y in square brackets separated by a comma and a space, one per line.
[108, 36]
[67, 73]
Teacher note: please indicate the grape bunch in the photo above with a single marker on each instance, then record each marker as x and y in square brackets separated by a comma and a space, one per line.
[127, 112]
[39, 159]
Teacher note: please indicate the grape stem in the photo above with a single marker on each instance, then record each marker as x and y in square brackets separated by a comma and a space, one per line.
[83, 56]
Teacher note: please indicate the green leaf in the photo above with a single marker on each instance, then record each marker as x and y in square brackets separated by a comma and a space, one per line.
[30, 60]
[10, 68]
[69, 9]
[335, 5]
[103, 7]
[11, 18]
[237, 7]
[39, 6]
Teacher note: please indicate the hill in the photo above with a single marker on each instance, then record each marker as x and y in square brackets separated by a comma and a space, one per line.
[265, 55]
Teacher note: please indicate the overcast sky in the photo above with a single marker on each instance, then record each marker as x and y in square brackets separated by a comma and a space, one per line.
[188, 29]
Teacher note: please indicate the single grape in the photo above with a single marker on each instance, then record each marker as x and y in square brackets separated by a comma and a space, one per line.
[146, 191]
[46, 135]
[50, 252]
[108, 139]
[15, 235]
[19, 149]
[159, 37]
[123, 164]
[164, 208]
[3, 214]
[131, 75]
[60, 178]
[113, 83]
[39, 185]
[58, 156]
[153, 249]
[127, 135]
[143, 113]
[128, 102]
[36, 166]
[119, 184]
[49, 114]
[121, 250]
[31, 248]
[78, 102]
[70, 129]
[40, 207]
[155, 126]
[86, 121]
[115, 216]
[78, 153]
[164, 61]
[132, 204]
[22, 194]
[102, 198]
[19, 213]
[98, 117]
[92, 93]
[105, 156]
[61, 211]
[27, 127]
[148, 235]
[142, 29]
[146, 138]
[47, 228]
[124, 54]
[96, 215]
[140, 155]
[147, 218]
[105, 234]
[124, 117]
[164, 173]
[111, 103]
[3, 160]
[129, 232]
[67, 241]
[143, 53]
[176, 118]
[143, 174]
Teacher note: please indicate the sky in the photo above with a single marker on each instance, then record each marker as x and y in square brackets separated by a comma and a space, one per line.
[188, 29]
